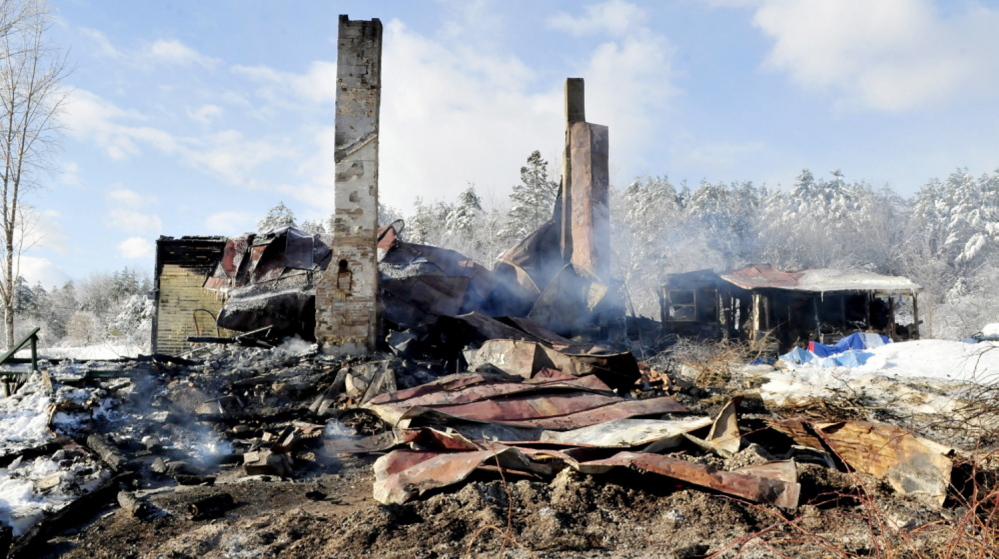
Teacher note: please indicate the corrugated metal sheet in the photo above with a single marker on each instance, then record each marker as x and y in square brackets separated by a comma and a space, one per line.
[817, 280]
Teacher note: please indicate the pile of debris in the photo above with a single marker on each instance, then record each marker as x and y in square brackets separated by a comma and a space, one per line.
[169, 443]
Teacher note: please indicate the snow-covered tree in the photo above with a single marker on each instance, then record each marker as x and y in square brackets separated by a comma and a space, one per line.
[277, 217]
[313, 227]
[428, 223]
[387, 214]
[464, 214]
[653, 235]
[532, 201]
[728, 215]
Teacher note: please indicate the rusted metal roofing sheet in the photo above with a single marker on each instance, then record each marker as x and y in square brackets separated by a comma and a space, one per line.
[750, 487]
[912, 465]
[558, 404]
[760, 276]
[489, 389]
[817, 280]
[404, 474]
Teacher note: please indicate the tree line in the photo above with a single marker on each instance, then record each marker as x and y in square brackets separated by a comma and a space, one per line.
[114, 308]
[945, 236]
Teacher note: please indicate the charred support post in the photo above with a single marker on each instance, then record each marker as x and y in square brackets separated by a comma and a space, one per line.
[346, 303]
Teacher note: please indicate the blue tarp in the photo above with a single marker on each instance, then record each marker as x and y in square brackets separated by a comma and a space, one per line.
[849, 359]
[845, 353]
[798, 356]
[853, 341]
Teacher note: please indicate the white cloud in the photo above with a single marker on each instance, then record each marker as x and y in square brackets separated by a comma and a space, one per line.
[131, 221]
[453, 114]
[891, 55]
[41, 229]
[629, 88]
[70, 175]
[205, 114]
[231, 156]
[450, 116]
[103, 46]
[164, 52]
[124, 213]
[90, 117]
[615, 17]
[174, 52]
[130, 198]
[230, 223]
[317, 85]
[42, 270]
[135, 248]
[226, 154]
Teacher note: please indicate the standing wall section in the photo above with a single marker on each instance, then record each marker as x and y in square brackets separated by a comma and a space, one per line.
[183, 306]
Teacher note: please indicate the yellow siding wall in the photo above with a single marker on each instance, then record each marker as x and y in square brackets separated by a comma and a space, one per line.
[181, 295]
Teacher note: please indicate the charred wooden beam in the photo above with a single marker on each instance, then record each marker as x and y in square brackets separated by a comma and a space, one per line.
[211, 506]
[132, 504]
[107, 452]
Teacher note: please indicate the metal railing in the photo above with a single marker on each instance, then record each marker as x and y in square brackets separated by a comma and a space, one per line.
[8, 357]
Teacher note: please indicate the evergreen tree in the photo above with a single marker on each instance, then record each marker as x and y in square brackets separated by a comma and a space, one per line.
[428, 224]
[464, 214]
[277, 217]
[532, 201]
[313, 227]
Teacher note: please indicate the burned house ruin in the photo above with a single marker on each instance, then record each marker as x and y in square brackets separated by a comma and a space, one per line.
[349, 290]
[821, 304]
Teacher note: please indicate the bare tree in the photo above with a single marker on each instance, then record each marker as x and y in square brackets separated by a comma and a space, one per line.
[31, 96]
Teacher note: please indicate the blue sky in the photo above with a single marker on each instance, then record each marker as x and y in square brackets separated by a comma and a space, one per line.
[188, 118]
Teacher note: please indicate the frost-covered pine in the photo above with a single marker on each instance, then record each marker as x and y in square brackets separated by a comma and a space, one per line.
[532, 201]
[464, 214]
[428, 223]
[313, 227]
[729, 217]
[277, 217]
[951, 248]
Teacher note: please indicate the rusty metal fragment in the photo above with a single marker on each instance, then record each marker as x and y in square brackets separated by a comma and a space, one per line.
[526, 358]
[559, 403]
[912, 465]
[723, 438]
[404, 474]
[655, 434]
[750, 487]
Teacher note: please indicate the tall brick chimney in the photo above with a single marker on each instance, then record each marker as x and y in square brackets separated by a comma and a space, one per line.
[346, 294]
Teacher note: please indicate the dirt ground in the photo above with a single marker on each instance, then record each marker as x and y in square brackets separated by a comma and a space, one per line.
[623, 515]
[328, 510]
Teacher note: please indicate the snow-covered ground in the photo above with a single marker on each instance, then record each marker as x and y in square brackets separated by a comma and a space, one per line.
[32, 417]
[31, 488]
[97, 351]
[916, 377]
